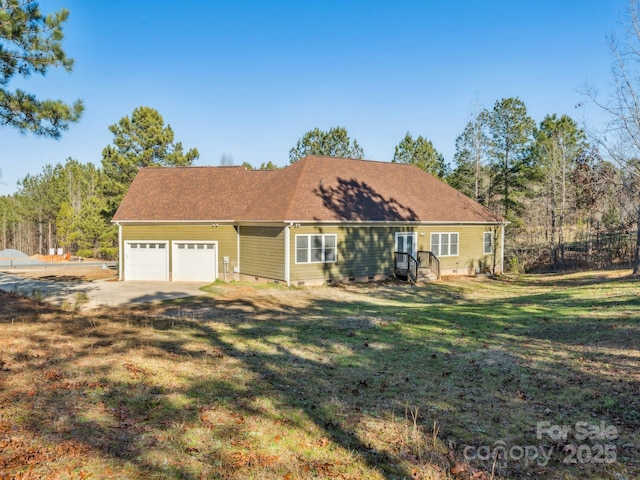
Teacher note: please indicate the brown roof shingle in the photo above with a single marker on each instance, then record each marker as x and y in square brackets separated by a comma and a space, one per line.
[313, 189]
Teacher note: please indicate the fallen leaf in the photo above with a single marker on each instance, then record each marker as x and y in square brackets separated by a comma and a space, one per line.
[459, 468]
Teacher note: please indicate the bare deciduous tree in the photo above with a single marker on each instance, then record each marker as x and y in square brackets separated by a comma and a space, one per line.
[621, 138]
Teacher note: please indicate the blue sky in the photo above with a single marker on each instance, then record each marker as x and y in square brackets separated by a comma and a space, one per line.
[249, 78]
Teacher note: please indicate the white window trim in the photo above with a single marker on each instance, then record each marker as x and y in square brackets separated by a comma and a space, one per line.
[175, 243]
[484, 243]
[457, 254]
[415, 241]
[309, 235]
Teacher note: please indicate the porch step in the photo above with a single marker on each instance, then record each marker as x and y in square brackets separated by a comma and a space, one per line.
[426, 275]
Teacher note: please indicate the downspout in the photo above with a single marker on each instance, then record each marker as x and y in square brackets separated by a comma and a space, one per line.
[502, 256]
[287, 253]
[120, 250]
[238, 250]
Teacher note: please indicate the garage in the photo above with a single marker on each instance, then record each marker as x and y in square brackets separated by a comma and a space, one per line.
[145, 260]
[194, 261]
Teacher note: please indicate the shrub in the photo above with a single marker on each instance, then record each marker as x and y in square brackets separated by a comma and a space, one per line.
[85, 252]
[108, 253]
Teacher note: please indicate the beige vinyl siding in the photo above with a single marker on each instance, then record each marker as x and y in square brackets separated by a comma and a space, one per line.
[262, 252]
[363, 251]
[367, 250]
[225, 235]
[470, 258]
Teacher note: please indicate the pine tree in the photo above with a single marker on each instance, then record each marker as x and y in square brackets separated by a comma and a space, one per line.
[334, 143]
[421, 153]
[141, 140]
[31, 43]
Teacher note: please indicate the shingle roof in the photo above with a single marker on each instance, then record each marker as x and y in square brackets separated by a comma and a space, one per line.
[313, 189]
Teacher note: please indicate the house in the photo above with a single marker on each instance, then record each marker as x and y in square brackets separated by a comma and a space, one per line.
[319, 220]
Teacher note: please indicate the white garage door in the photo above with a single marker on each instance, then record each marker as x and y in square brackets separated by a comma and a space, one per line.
[194, 261]
[146, 260]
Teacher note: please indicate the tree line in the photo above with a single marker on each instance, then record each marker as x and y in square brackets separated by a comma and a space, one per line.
[70, 204]
[545, 179]
[555, 183]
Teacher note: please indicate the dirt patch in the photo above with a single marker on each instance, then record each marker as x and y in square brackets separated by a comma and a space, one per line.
[337, 299]
[68, 273]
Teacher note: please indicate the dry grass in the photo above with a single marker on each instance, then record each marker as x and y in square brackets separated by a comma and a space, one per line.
[379, 381]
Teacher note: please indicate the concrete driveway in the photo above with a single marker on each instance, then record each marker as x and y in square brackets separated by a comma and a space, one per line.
[100, 293]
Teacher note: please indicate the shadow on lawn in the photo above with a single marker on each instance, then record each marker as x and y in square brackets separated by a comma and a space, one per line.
[474, 350]
[484, 370]
[43, 288]
[132, 405]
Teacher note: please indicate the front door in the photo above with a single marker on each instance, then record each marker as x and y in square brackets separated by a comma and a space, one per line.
[405, 243]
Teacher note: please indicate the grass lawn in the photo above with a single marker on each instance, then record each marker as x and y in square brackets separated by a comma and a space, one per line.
[519, 377]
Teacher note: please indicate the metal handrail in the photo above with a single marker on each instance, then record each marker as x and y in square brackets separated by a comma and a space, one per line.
[411, 262]
[430, 260]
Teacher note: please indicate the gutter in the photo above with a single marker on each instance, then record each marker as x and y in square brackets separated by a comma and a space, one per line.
[314, 222]
[384, 223]
[177, 222]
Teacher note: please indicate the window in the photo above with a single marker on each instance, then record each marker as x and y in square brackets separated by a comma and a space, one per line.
[444, 244]
[487, 248]
[315, 248]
